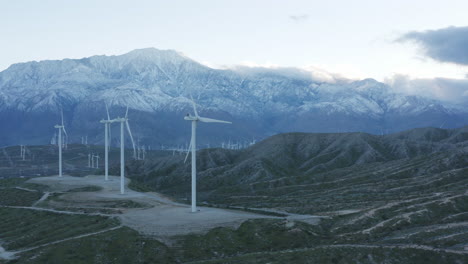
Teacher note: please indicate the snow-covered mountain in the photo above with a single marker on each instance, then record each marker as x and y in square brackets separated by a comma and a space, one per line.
[155, 84]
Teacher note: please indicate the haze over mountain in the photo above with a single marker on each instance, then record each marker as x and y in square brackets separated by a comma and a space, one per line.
[155, 84]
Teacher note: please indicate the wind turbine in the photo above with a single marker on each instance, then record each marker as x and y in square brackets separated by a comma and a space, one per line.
[97, 161]
[124, 122]
[192, 145]
[107, 135]
[23, 151]
[53, 140]
[60, 128]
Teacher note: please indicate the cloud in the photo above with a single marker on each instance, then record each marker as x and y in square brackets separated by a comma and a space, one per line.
[444, 45]
[299, 18]
[445, 89]
[323, 75]
[308, 73]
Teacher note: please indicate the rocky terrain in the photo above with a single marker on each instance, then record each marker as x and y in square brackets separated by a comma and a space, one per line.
[398, 198]
[408, 188]
[296, 163]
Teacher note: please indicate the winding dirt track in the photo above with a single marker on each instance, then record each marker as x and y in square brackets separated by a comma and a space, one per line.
[12, 253]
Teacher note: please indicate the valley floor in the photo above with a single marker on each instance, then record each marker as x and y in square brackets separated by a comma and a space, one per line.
[87, 220]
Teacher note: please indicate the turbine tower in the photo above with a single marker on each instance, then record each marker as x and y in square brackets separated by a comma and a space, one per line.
[60, 128]
[192, 145]
[107, 135]
[97, 161]
[124, 122]
[23, 151]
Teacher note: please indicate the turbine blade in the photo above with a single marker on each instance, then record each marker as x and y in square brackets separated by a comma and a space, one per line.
[107, 110]
[126, 112]
[131, 137]
[188, 150]
[194, 106]
[64, 131]
[61, 113]
[210, 120]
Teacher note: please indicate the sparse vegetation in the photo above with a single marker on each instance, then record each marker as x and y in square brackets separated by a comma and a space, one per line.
[22, 228]
[140, 187]
[86, 189]
[118, 246]
[387, 201]
[346, 254]
[18, 197]
[406, 192]
[12, 182]
[251, 236]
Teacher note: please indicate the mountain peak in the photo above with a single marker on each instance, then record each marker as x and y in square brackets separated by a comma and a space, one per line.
[370, 85]
[150, 51]
[155, 54]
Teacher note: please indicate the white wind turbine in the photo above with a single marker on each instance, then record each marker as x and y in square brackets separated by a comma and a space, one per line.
[60, 128]
[107, 136]
[124, 122]
[97, 161]
[23, 151]
[192, 146]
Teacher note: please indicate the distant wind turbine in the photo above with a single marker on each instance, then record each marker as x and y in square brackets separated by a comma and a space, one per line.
[60, 129]
[107, 136]
[97, 161]
[53, 140]
[192, 146]
[23, 152]
[124, 122]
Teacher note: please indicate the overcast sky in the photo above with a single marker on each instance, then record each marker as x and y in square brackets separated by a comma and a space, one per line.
[358, 39]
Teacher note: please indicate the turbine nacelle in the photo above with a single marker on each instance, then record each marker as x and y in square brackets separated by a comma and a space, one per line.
[120, 119]
[190, 117]
[107, 121]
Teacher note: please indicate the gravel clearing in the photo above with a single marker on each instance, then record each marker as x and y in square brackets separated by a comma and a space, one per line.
[164, 219]
[6, 254]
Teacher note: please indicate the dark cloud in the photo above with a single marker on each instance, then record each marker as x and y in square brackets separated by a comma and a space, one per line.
[444, 45]
[299, 18]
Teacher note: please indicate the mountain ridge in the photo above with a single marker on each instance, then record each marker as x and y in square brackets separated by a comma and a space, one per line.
[290, 161]
[157, 83]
